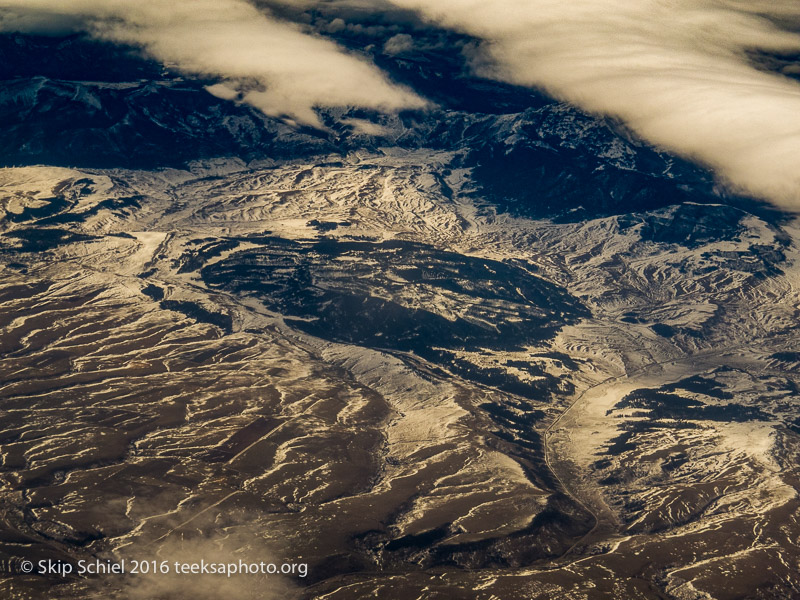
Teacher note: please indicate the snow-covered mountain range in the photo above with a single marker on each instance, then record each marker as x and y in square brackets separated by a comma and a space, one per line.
[458, 353]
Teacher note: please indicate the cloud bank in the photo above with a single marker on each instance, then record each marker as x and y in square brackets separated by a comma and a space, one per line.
[678, 72]
[269, 64]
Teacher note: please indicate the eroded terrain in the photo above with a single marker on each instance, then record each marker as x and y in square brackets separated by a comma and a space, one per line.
[363, 366]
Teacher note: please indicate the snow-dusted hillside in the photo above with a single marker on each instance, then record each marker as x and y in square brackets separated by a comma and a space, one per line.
[364, 364]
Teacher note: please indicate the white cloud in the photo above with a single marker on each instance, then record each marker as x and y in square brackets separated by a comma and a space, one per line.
[364, 127]
[397, 44]
[677, 71]
[293, 71]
